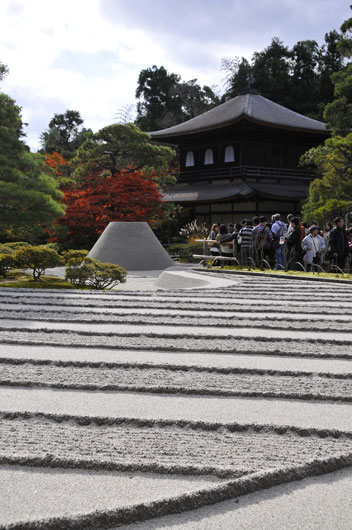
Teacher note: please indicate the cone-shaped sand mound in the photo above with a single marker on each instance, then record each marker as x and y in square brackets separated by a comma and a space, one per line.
[132, 246]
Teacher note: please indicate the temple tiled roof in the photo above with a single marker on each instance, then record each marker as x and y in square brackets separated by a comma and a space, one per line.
[207, 192]
[251, 106]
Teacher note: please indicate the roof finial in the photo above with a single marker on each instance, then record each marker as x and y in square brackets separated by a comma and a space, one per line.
[250, 81]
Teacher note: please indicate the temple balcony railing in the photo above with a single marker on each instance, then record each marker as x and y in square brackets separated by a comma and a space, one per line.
[233, 172]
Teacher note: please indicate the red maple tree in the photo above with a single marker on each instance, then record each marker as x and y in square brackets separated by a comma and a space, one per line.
[99, 199]
[55, 160]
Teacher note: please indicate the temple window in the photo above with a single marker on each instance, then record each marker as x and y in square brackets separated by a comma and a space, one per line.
[208, 157]
[229, 154]
[189, 159]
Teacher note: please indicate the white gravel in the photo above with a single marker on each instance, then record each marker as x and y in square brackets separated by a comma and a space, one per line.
[219, 314]
[33, 494]
[208, 360]
[176, 438]
[224, 410]
[211, 331]
[319, 503]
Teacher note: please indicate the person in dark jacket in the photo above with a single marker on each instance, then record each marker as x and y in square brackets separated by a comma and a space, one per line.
[339, 243]
[262, 242]
[226, 247]
[294, 254]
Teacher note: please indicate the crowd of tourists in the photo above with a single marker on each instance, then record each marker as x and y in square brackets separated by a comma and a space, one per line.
[290, 245]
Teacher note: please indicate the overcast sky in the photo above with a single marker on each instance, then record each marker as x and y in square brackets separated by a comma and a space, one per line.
[86, 55]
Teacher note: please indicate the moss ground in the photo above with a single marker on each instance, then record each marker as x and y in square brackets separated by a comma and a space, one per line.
[22, 280]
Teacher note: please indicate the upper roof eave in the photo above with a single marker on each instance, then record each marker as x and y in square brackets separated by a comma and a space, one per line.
[156, 136]
[251, 107]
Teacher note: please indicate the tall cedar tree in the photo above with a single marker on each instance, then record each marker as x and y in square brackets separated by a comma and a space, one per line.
[298, 78]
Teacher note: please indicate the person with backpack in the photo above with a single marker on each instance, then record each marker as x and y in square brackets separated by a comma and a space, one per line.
[279, 231]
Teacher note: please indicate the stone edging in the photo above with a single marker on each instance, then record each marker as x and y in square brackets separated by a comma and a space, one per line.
[276, 276]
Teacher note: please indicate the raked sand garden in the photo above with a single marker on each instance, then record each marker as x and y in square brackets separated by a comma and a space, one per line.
[226, 406]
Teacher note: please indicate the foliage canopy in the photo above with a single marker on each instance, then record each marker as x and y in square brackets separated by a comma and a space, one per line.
[37, 258]
[29, 197]
[166, 100]
[65, 134]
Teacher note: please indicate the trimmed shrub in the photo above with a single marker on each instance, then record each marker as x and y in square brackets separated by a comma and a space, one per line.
[14, 245]
[95, 274]
[185, 251]
[6, 250]
[6, 263]
[38, 259]
[74, 257]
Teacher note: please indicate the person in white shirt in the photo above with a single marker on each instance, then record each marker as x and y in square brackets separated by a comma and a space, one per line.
[313, 245]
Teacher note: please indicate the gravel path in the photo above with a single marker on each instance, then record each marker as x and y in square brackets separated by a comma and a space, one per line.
[186, 381]
[33, 311]
[234, 320]
[95, 356]
[199, 395]
[223, 410]
[66, 494]
[158, 448]
[232, 330]
[326, 347]
[319, 503]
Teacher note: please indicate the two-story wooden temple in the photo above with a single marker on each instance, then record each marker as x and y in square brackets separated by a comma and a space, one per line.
[241, 159]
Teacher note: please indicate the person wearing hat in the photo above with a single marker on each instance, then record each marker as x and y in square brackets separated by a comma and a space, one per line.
[312, 245]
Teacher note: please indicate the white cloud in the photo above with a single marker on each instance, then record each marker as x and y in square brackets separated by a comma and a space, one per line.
[87, 54]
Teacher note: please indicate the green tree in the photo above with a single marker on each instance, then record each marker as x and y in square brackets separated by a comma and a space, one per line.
[95, 274]
[237, 73]
[65, 134]
[3, 70]
[330, 194]
[304, 77]
[330, 60]
[165, 100]
[38, 259]
[7, 262]
[158, 105]
[29, 198]
[271, 71]
[298, 78]
[121, 146]
[195, 99]
[338, 113]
